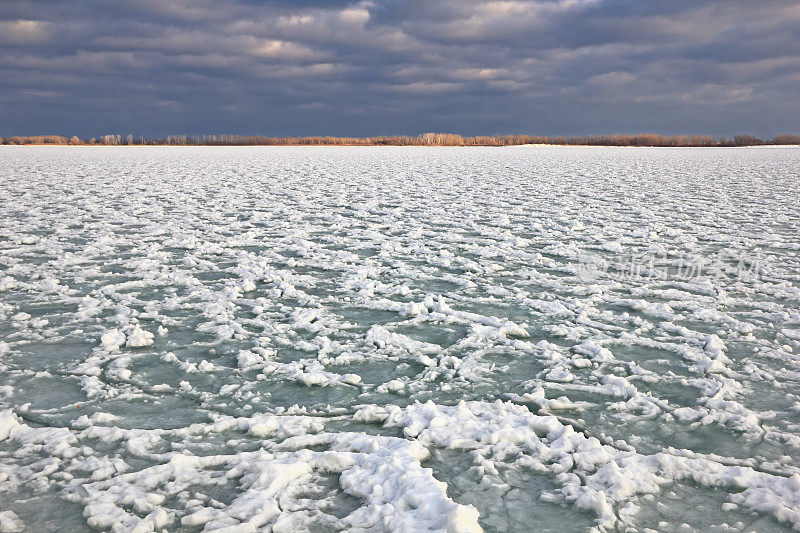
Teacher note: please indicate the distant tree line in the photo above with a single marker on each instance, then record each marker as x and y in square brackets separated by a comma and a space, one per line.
[426, 139]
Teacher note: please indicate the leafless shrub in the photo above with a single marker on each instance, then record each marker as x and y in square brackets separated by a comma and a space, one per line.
[426, 139]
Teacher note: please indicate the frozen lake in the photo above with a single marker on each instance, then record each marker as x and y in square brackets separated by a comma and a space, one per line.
[549, 338]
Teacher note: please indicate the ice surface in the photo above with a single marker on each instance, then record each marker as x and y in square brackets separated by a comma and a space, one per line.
[402, 339]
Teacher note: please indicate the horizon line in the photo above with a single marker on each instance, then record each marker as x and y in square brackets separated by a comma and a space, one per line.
[424, 139]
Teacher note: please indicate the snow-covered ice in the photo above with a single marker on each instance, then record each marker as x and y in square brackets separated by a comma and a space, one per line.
[399, 339]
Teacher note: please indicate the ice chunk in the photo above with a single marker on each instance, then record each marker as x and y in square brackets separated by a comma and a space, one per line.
[112, 339]
[137, 337]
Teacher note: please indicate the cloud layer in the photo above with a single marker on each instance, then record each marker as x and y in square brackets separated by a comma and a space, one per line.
[392, 67]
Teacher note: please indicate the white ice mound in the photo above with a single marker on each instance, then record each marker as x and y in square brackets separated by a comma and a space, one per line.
[10, 522]
[383, 473]
[137, 337]
[595, 476]
[112, 339]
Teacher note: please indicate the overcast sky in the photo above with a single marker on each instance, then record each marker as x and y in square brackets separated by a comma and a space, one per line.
[156, 67]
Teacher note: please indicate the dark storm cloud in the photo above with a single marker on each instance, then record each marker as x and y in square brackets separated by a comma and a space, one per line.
[290, 68]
